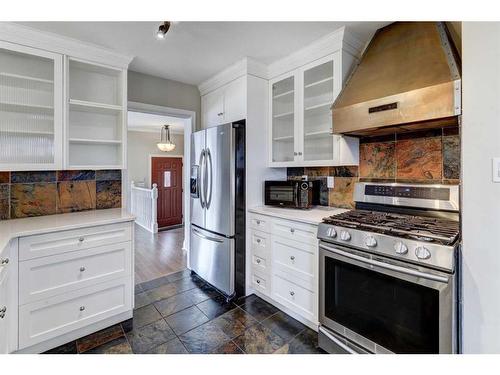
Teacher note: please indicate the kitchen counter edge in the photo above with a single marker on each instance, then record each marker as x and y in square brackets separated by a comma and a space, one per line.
[312, 216]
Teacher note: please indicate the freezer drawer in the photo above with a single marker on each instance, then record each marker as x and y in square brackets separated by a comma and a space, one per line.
[212, 258]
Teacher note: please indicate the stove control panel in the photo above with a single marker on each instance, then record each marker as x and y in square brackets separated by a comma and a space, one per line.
[416, 192]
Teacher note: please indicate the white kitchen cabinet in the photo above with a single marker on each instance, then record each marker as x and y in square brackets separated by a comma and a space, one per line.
[225, 104]
[284, 265]
[300, 131]
[31, 108]
[8, 298]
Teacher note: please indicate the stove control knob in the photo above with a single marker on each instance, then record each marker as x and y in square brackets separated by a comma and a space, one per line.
[344, 235]
[370, 241]
[400, 248]
[422, 253]
[331, 232]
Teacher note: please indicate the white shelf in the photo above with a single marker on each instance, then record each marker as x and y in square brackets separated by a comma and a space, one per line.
[281, 115]
[26, 78]
[94, 166]
[317, 106]
[23, 107]
[283, 94]
[28, 132]
[318, 133]
[319, 82]
[95, 141]
[95, 107]
[285, 138]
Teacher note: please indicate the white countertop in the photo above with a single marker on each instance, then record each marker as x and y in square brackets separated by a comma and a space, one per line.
[10, 229]
[310, 216]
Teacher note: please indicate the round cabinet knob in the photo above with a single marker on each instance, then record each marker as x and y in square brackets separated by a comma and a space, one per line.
[331, 232]
[258, 261]
[81, 239]
[292, 293]
[422, 252]
[82, 308]
[258, 222]
[370, 241]
[292, 258]
[258, 240]
[82, 269]
[292, 230]
[4, 261]
[400, 248]
[258, 281]
[2, 312]
[345, 235]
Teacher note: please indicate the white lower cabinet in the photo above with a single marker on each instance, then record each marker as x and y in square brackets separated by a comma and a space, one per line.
[65, 284]
[284, 264]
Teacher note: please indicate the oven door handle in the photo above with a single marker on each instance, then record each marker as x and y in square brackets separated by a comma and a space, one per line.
[407, 271]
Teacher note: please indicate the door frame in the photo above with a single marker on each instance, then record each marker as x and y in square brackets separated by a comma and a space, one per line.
[190, 116]
[150, 172]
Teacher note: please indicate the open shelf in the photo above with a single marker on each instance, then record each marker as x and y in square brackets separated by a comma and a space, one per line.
[283, 115]
[95, 141]
[83, 105]
[284, 138]
[24, 107]
[316, 134]
[25, 131]
[287, 93]
[321, 81]
[20, 77]
[318, 106]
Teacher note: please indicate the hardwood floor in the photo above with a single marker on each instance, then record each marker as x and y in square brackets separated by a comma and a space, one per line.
[158, 254]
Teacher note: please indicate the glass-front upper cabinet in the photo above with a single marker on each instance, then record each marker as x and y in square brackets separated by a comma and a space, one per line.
[283, 116]
[318, 91]
[31, 99]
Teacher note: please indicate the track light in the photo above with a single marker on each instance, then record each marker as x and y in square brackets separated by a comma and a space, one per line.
[162, 30]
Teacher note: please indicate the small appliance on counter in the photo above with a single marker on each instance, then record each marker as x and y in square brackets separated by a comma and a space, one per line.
[292, 194]
[389, 271]
[217, 190]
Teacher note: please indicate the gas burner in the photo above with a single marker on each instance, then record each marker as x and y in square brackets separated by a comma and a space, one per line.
[421, 228]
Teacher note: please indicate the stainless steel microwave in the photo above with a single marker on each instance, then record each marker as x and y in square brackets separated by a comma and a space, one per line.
[292, 194]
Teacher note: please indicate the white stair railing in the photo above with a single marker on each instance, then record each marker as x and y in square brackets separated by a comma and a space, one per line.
[143, 206]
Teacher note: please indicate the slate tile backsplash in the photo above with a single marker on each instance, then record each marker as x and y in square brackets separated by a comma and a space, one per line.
[38, 193]
[429, 156]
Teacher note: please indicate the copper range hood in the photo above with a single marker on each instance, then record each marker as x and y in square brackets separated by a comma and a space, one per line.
[407, 78]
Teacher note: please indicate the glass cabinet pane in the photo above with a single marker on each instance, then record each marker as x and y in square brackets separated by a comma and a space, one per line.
[26, 108]
[318, 98]
[283, 127]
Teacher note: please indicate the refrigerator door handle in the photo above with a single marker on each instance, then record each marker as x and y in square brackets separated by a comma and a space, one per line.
[201, 183]
[208, 198]
[201, 235]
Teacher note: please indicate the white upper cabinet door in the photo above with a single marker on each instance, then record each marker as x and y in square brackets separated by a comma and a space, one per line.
[212, 108]
[283, 129]
[235, 103]
[31, 108]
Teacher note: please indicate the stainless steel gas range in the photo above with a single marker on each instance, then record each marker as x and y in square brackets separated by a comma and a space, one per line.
[389, 271]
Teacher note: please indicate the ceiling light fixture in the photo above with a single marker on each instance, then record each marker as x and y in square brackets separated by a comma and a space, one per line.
[162, 30]
[165, 143]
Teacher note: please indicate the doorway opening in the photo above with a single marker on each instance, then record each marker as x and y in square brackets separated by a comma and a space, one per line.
[158, 179]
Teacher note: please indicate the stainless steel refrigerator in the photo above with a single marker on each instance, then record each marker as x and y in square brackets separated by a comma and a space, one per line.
[217, 186]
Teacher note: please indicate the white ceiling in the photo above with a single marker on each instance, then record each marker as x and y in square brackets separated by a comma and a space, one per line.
[146, 122]
[194, 51]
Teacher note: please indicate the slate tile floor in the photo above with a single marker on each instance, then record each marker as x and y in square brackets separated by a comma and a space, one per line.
[180, 314]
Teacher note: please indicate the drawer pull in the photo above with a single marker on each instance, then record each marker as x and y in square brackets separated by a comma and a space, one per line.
[4, 261]
[292, 293]
[258, 281]
[258, 261]
[258, 222]
[81, 239]
[82, 269]
[292, 230]
[292, 258]
[2, 312]
[258, 240]
[82, 308]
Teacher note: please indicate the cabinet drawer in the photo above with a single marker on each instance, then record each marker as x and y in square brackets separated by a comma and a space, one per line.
[260, 222]
[48, 276]
[259, 282]
[291, 295]
[295, 231]
[260, 242]
[259, 264]
[296, 258]
[52, 317]
[71, 240]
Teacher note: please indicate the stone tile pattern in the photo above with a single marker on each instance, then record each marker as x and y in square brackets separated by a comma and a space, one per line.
[38, 193]
[430, 156]
[180, 314]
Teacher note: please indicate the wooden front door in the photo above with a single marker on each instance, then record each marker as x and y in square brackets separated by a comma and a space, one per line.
[167, 174]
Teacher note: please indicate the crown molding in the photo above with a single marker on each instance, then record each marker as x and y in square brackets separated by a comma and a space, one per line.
[240, 68]
[24, 35]
[340, 39]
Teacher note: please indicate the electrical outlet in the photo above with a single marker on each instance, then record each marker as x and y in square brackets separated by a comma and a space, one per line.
[330, 182]
[304, 177]
[496, 170]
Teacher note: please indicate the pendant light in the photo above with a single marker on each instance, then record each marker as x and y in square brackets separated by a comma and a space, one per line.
[165, 143]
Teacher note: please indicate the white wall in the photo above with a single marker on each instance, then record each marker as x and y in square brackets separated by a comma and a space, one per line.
[142, 144]
[481, 197]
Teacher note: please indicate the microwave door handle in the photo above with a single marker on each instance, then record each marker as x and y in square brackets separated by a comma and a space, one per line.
[392, 267]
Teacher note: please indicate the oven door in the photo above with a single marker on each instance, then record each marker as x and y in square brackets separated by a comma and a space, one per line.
[384, 305]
